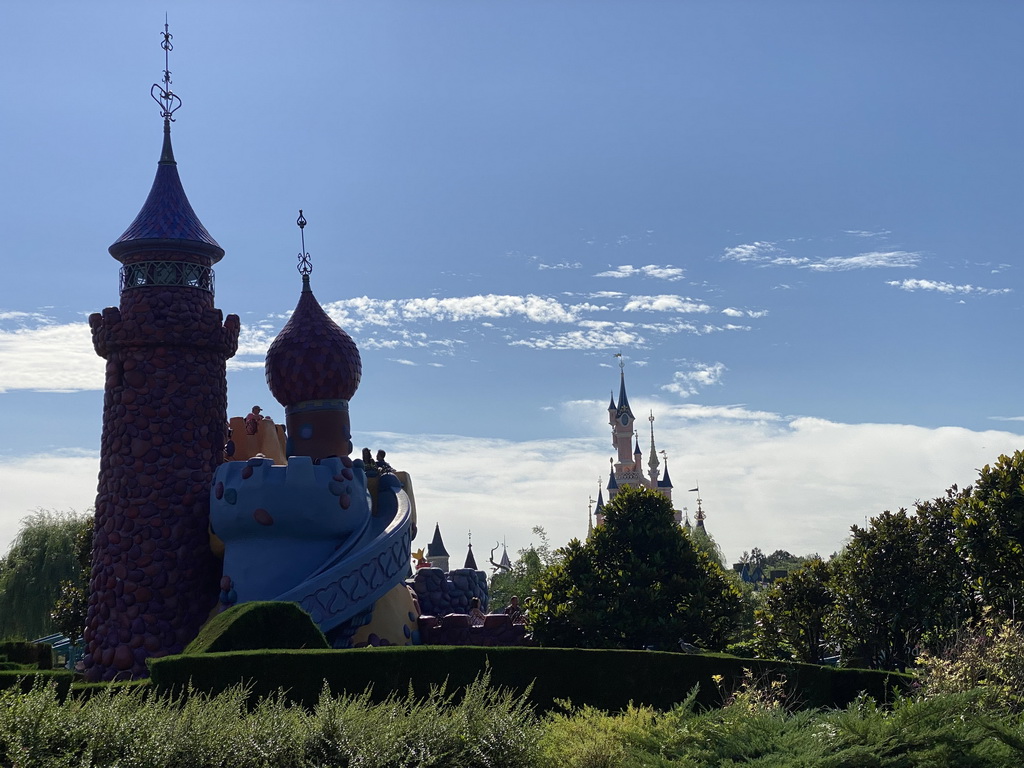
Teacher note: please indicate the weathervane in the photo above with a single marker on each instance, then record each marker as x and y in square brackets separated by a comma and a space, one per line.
[164, 96]
[305, 266]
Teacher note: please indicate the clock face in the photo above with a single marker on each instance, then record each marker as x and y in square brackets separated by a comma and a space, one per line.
[624, 419]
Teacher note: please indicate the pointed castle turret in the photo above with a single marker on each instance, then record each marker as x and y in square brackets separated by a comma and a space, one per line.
[154, 579]
[436, 553]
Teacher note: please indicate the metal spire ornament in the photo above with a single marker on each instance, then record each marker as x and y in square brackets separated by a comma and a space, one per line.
[305, 265]
[163, 95]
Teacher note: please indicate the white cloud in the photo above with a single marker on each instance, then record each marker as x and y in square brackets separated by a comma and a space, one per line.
[689, 382]
[668, 272]
[357, 312]
[766, 481]
[606, 338]
[66, 481]
[49, 358]
[561, 265]
[756, 251]
[664, 303]
[867, 233]
[946, 288]
[401, 361]
[872, 260]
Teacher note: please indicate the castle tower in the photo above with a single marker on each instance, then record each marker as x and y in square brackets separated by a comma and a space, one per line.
[154, 579]
[626, 469]
[436, 552]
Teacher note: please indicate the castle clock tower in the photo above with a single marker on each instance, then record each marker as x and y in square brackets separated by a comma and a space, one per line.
[154, 579]
[626, 468]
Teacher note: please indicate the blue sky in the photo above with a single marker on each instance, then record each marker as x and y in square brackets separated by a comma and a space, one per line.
[799, 223]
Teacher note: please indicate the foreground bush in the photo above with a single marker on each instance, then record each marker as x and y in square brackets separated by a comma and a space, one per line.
[987, 655]
[485, 727]
[753, 727]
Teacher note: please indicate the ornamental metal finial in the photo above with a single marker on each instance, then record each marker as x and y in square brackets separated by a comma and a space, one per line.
[305, 266]
[163, 95]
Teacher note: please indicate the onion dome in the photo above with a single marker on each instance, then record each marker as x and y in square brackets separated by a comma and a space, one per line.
[312, 358]
[167, 220]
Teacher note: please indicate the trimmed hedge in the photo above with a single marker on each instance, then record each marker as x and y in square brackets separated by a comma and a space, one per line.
[252, 626]
[26, 678]
[605, 679]
[38, 655]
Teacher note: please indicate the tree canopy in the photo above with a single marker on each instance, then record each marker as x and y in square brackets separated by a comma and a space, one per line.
[907, 581]
[42, 556]
[526, 571]
[637, 582]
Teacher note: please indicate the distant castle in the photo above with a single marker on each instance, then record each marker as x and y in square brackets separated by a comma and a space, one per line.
[627, 471]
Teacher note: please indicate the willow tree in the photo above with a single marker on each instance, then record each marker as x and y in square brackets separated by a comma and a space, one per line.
[42, 556]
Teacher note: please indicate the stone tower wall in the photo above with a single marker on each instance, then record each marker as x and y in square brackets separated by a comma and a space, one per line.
[154, 579]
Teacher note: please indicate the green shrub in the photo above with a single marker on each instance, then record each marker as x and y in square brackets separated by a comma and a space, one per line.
[24, 679]
[251, 626]
[38, 655]
[987, 655]
[604, 679]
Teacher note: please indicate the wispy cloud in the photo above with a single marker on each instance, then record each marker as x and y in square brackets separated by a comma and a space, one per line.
[753, 313]
[668, 272]
[867, 233]
[757, 251]
[947, 288]
[690, 382]
[872, 260]
[769, 254]
[363, 310]
[601, 338]
[665, 303]
[561, 265]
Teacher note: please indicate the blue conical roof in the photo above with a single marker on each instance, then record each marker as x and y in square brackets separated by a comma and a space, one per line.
[623, 406]
[436, 547]
[167, 219]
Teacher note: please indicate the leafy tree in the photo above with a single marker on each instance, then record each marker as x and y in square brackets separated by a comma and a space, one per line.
[41, 557]
[526, 572]
[637, 582]
[793, 616]
[882, 595]
[990, 534]
[72, 604]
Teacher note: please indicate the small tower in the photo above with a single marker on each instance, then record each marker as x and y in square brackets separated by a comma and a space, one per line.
[699, 517]
[436, 553]
[470, 560]
[154, 578]
[652, 462]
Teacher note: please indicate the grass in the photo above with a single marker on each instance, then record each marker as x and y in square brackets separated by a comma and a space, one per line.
[486, 726]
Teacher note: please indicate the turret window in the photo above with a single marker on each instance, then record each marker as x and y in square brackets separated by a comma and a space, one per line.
[151, 273]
